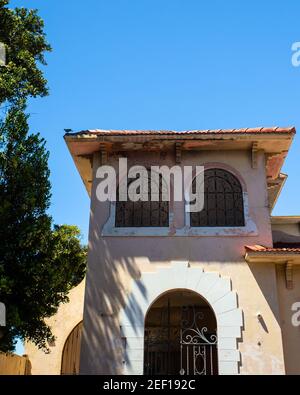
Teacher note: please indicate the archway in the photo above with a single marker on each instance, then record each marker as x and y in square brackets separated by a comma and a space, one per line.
[217, 291]
[180, 335]
[71, 351]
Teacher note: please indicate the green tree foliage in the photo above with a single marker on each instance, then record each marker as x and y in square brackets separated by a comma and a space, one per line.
[21, 31]
[39, 263]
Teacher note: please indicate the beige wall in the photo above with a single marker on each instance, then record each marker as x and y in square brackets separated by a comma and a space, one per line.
[67, 317]
[115, 262]
[291, 334]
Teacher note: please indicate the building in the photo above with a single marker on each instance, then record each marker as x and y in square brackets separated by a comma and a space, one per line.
[167, 291]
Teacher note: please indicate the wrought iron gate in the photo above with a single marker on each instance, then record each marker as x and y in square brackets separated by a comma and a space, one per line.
[198, 348]
[180, 346]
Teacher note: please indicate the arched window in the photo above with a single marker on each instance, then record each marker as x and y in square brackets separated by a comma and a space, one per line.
[143, 213]
[223, 201]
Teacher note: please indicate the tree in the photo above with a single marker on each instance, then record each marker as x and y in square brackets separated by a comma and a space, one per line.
[21, 31]
[39, 263]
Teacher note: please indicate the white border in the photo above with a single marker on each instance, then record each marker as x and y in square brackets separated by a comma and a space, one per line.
[109, 229]
[216, 290]
[250, 228]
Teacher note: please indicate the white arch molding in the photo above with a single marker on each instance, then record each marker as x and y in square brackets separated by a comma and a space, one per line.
[210, 285]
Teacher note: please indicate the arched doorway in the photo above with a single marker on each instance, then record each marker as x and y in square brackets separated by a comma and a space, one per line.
[71, 352]
[180, 336]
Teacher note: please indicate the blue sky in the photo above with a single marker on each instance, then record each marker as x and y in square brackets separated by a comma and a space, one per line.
[171, 64]
[164, 64]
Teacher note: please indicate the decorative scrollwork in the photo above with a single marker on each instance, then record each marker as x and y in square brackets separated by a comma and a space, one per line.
[181, 339]
[191, 333]
[200, 359]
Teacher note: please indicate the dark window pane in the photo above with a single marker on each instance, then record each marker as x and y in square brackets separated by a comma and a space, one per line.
[223, 201]
[143, 213]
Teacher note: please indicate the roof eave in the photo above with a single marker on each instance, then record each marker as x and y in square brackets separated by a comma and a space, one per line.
[272, 257]
[285, 219]
[88, 143]
[281, 185]
[180, 136]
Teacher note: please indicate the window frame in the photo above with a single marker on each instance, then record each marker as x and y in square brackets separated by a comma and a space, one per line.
[110, 228]
[224, 199]
[162, 190]
[250, 228]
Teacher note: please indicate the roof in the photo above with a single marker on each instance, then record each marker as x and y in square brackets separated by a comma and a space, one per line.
[259, 130]
[273, 141]
[260, 248]
[272, 255]
[285, 219]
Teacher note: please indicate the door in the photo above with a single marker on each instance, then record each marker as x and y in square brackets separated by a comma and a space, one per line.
[180, 336]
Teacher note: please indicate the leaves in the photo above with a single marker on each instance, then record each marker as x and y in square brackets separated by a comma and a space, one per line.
[21, 31]
[38, 264]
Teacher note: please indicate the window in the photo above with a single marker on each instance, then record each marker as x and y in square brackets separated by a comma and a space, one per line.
[223, 201]
[143, 213]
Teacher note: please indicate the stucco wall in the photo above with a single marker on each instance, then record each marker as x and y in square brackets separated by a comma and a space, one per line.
[115, 262]
[291, 333]
[67, 317]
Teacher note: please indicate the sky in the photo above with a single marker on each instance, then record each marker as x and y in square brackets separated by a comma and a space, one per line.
[171, 64]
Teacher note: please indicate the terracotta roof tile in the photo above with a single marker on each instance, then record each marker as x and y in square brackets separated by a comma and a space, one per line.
[262, 130]
[259, 248]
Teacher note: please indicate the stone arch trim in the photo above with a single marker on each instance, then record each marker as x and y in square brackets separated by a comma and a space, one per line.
[230, 169]
[217, 290]
[223, 166]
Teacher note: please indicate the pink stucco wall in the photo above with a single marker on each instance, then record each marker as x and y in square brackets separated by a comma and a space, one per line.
[114, 262]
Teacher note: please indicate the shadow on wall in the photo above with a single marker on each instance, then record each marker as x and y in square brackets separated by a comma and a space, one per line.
[262, 275]
[112, 267]
[105, 296]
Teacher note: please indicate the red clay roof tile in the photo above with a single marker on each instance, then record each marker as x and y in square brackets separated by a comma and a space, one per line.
[262, 130]
[259, 248]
